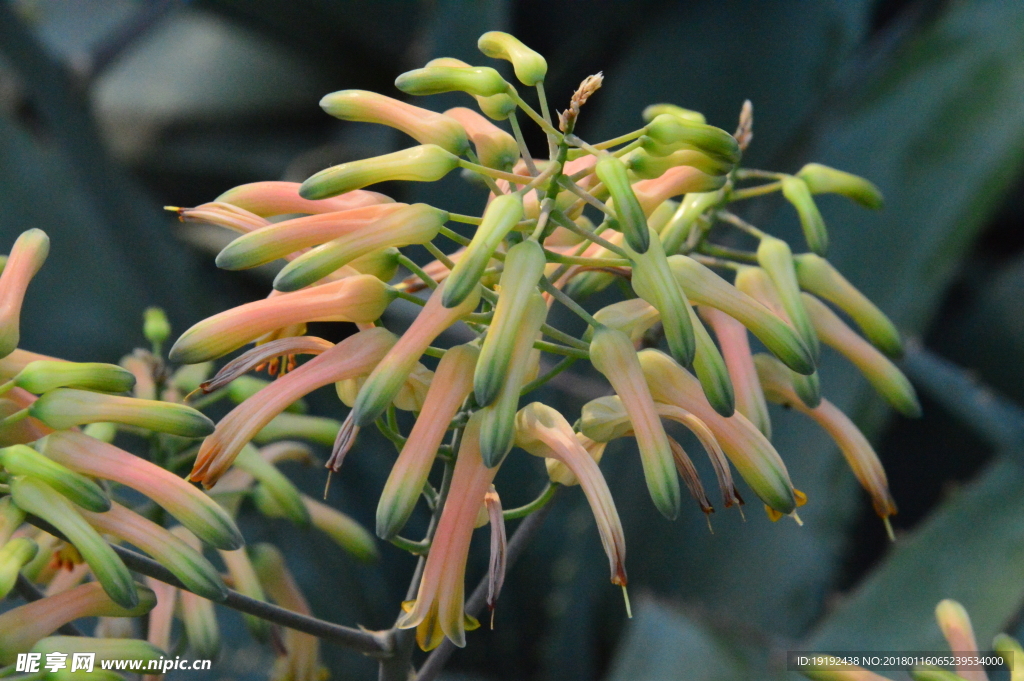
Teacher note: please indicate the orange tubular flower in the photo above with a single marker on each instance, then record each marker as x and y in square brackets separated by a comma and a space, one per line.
[360, 298]
[732, 337]
[544, 432]
[27, 256]
[674, 181]
[268, 199]
[352, 357]
[451, 385]
[439, 608]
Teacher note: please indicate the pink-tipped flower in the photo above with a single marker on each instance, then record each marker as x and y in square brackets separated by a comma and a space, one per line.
[732, 337]
[439, 608]
[494, 147]
[301, 661]
[612, 353]
[884, 376]
[267, 199]
[674, 182]
[354, 356]
[424, 163]
[282, 238]
[956, 627]
[191, 507]
[452, 383]
[544, 432]
[360, 298]
[855, 447]
[27, 256]
[390, 374]
[22, 627]
[747, 448]
[423, 125]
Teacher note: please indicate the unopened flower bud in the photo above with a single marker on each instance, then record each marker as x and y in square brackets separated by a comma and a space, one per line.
[710, 369]
[632, 220]
[481, 81]
[678, 133]
[524, 265]
[655, 110]
[634, 317]
[530, 67]
[679, 226]
[425, 163]
[23, 460]
[500, 217]
[14, 555]
[36, 497]
[776, 259]
[415, 224]
[27, 256]
[44, 375]
[494, 147]
[155, 326]
[612, 353]
[67, 407]
[822, 179]
[426, 127]
[342, 529]
[647, 167]
[797, 193]
[267, 199]
[817, 276]
[282, 491]
[497, 107]
[956, 628]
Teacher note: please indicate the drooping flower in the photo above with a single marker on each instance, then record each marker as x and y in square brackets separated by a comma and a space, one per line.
[439, 607]
[423, 125]
[66, 407]
[23, 460]
[353, 356]
[26, 257]
[267, 199]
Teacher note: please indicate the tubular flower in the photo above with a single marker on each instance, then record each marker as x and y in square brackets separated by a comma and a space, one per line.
[66, 407]
[822, 179]
[17, 360]
[279, 239]
[14, 555]
[425, 163]
[480, 81]
[497, 107]
[283, 493]
[674, 182]
[415, 224]
[632, 218]
[439, 608]
[387, 377]
[411, 396]
[798, 194]
[498, 432]
[634, 317]
[530, 67]
[732, 337]
[451, 385]
[41, 376]
[27, 256]
[776, 258]
[223, 215]
[544, 432]
[495, 147]
[424, 126]
[747, 448]
[501, 216]
[267, 199]
[855, 447]
[959, 634]
[612, 353]
[648, 167]
[24, 626]
[352, 357]
[189, 506]
[361, 298]
[244, 580]
[23, 460]
[187, 564]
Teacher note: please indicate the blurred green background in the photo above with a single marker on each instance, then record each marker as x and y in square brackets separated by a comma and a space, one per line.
[111, 109]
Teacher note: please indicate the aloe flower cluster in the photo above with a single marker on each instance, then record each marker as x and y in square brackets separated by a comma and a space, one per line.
[650, 210]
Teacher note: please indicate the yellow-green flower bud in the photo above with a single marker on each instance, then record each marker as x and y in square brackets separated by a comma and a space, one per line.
[704, 287]
[44, 375]
[415, 224]
[184, 561]
[65, 408]
[501, 216]
[524, 265]
[481, 81]
[817, 275]
[494, 147]
[155, 326]
[530, 66]
[23, 460]
[497, 107]
[646, 166]
[245, 386]
[634, 317]
[382, 263]
[282, 491]
[11, 518]
[693, 206]
[655, 110]
[425, 163]
[424, 126]
[27, 256]
[824, 180]
[808, 388]
[654, 282]
[1010, 649]
[346, 532]
[674, 132]
[710, 368]
[36, 497]
[886, 378]
[612, 353]
[497, 427]
[632, 220]
[13, 556]
[776, 259]
[797, 193]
